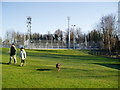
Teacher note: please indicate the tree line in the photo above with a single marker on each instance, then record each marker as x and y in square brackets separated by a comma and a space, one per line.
[103, 37]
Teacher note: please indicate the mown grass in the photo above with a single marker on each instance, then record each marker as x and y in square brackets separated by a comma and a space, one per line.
[78, 70]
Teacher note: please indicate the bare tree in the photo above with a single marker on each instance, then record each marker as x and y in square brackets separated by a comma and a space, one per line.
[59, 37]
[108, 29]
[105, 36]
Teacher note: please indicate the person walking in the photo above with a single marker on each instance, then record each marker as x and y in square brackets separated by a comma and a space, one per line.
[22, 56]
[13, 54]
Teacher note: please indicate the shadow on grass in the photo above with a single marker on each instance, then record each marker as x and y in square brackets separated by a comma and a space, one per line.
[59, 56]
[75, 57]
[94, 76]
[3, 63]
[10, 64]
[43, 69]
[115, 66]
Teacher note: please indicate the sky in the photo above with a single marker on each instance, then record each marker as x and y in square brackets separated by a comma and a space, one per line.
[50, 16]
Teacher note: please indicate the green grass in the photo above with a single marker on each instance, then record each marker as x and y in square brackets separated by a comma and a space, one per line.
[78, 70]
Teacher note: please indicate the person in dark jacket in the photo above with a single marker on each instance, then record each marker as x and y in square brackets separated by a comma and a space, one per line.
[13, 54]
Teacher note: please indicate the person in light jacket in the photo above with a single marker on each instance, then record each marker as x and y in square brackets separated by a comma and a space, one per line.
[22, 56]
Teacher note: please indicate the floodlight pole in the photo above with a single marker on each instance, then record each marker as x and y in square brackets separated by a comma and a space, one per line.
[73, 36]
[68, 32]
[29, 29]
[85, 41]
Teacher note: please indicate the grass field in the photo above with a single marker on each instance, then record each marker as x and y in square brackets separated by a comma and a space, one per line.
[78, 70]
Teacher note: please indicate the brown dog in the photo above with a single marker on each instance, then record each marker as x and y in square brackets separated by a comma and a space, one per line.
[58, 66]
